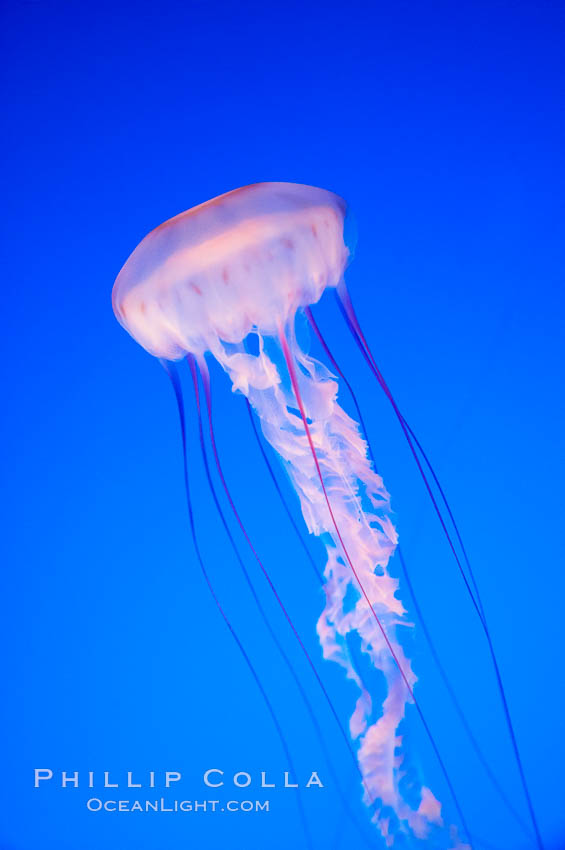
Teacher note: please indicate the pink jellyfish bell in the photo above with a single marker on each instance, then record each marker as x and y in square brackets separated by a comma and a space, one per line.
[245, 261]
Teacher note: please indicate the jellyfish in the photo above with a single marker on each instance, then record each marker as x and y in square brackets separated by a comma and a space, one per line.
[228, 279]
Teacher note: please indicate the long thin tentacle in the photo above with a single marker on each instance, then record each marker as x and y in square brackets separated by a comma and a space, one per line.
[171, 371]
[206, 383]
[449, 512]
[346, 306]
[435, 655]
[294, 381]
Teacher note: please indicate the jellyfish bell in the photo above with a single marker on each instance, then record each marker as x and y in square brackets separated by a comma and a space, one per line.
[244, 260]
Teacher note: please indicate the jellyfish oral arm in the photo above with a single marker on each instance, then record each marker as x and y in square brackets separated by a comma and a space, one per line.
[346, 471]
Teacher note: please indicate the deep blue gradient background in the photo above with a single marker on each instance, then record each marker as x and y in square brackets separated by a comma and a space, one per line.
[441, 124]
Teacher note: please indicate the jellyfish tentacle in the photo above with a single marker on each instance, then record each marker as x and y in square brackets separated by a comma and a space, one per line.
[393, 651]
[264, 616]
[346, 306]
[427, 634]
[449, 512]
[171, 371]
[203, 369]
